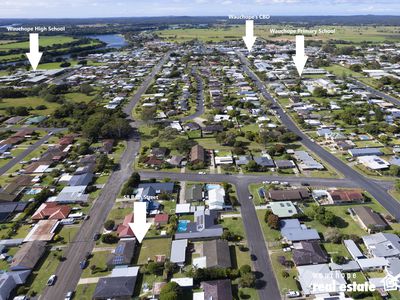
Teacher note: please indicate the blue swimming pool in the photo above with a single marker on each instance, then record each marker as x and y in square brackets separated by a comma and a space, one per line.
[212, 186]
[182, 225]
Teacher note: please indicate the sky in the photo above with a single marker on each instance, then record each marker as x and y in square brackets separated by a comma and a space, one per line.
[134, 8]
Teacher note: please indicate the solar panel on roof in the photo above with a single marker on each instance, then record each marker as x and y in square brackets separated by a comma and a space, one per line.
[118, 260]
[119, 249]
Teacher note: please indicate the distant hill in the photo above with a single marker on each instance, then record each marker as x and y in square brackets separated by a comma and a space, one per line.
[170, 20]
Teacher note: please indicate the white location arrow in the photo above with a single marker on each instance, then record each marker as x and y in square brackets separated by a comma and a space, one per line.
[139, 225]
[249, 39]
[34, 55]
[300, 58]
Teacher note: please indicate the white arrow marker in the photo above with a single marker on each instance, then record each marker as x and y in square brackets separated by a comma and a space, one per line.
[34, 55]
[139, 225]
[249, 39]
[300, 58]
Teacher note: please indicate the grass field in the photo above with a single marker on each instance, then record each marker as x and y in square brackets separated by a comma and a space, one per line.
[84, 291]
[151, 247]
[355, 34]
[44, 41]
[29, 102]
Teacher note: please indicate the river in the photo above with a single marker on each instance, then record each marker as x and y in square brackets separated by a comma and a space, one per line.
[112, 40]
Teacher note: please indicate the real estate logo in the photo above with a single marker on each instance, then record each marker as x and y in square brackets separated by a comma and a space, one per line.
[391, 283]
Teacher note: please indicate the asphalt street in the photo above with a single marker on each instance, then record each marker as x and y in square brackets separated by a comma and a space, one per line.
[20, 157]
[199, 98]
[69, 272]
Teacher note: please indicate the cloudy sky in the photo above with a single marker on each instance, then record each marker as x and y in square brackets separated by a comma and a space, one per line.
[135, 8]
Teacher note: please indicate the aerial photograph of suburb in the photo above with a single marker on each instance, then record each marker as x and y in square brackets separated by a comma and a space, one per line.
[199, 149]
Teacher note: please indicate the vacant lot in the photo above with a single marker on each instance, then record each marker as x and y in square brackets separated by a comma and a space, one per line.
[152, 247]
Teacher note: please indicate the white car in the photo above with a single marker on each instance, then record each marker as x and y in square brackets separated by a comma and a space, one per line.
[293, 294]
[51, 280]
[68, 296]
[275, 182]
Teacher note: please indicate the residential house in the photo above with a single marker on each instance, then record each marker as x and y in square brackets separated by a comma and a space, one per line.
[308, 253]
[357, 152]
[283, 209]
[216, 198]
[293, 231]
[44, 230]
[382, 244]
[161, 219]
[319, 275]
[197, 154]
[116, 288]
[28, 256]
[124, 230]
[215, 290]
[289, 195]
[213, 254]
[178, 252]
[194, 193]
[123, 253]
[51, 211]
[368, 219]
[203, 227]
[345, 196]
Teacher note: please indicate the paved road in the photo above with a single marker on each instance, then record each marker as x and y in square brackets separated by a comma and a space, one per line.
[199, 98]
[20, 157]
[387, 97]
[69, 272]
[378, 191]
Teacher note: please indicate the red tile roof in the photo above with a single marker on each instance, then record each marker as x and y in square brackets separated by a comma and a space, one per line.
[161, 218]
[124, 230]
[51, 211]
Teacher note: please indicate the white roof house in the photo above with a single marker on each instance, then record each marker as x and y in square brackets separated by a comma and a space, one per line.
[216, 199]
[319, 279]
[373, 162]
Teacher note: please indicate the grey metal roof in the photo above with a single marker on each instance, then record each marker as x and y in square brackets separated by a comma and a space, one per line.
[383, 244]
[364, 151]
[354, 251]
[178, 251]
[115, 287]
[81, 179]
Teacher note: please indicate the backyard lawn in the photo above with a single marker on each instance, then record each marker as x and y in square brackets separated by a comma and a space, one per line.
[152, 247]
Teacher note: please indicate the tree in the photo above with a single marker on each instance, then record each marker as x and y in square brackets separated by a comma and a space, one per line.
[245, 269]
[149, 113]
[109, 238]
[109, 224]
[320, 92]
[273, 221]
[170, 291]
[252, 166]
[333, 235]
[247, 280]
[394, 170]
[338, 259]
[86, 89]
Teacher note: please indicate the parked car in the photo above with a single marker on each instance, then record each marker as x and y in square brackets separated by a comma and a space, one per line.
[52, 279]
[87, 217]
[68, 296]
[83, 264]
[253, 257]
[96, 236]
[293, 294]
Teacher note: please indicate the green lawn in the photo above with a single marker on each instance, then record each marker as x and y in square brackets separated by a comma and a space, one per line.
[98, 259]
[284, 283]
[44, 41]
[271, 236]
[32, 102]
[84, 291]
[152, 247]
[234, 225]
[44, 269]
[78, 97]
